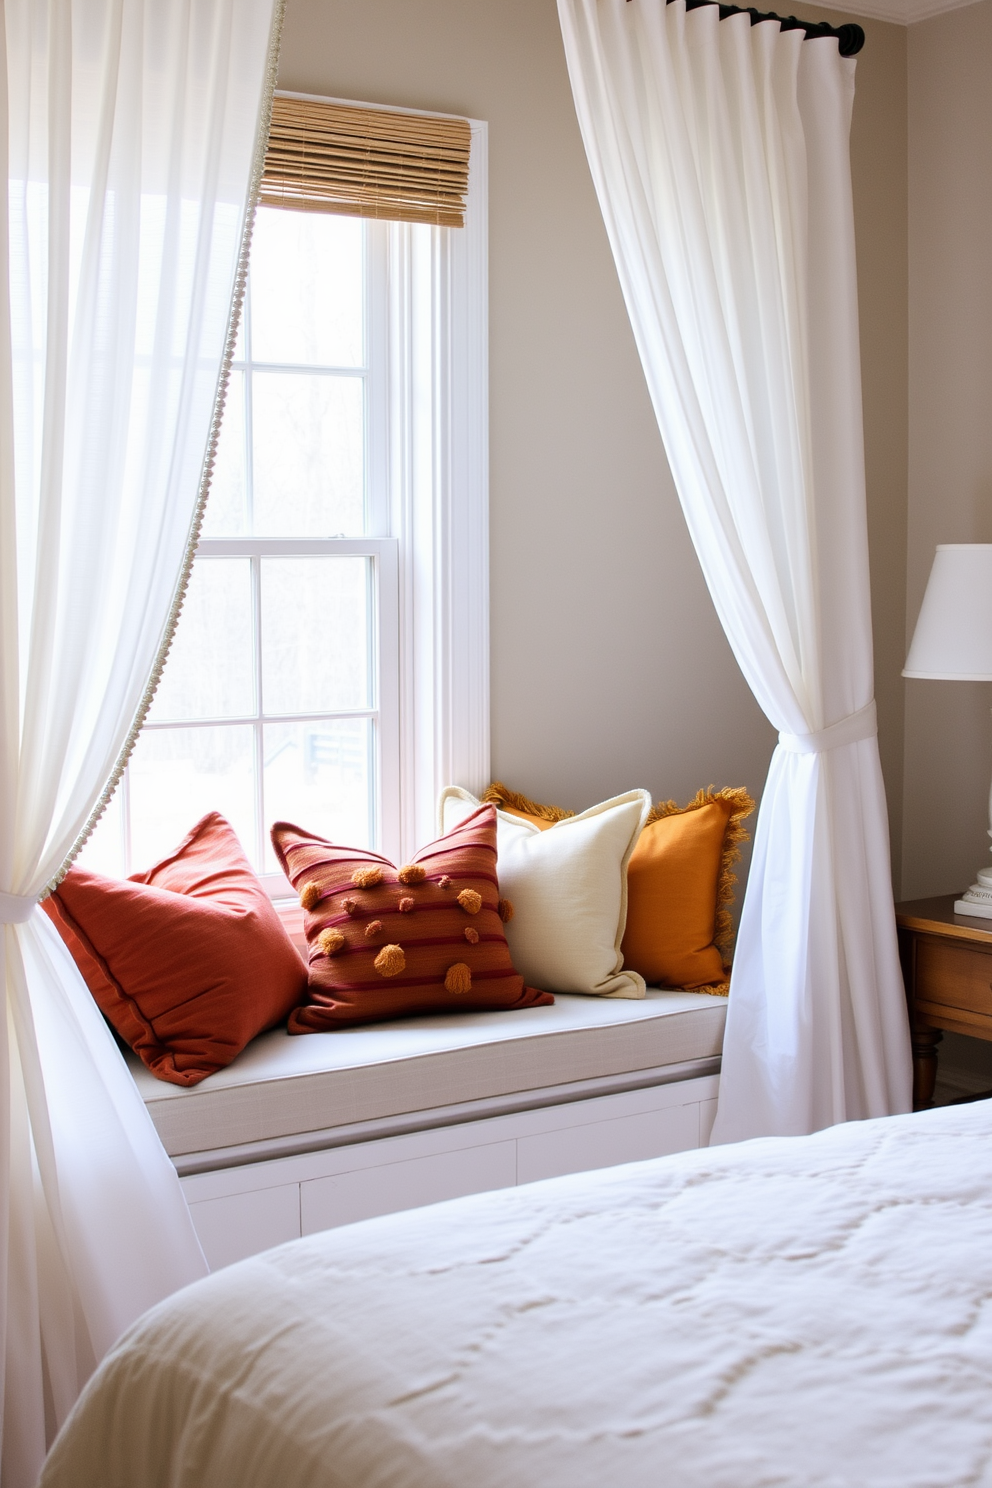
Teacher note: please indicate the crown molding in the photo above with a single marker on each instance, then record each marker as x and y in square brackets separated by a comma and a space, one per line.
[904, 12]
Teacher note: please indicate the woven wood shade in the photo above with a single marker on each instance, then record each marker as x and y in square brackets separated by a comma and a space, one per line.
[330, 157]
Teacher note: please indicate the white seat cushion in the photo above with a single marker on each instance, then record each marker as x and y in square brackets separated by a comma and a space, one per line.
[282, 1087]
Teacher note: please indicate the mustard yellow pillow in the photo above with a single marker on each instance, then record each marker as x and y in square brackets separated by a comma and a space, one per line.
[680, 884]
[515, 804]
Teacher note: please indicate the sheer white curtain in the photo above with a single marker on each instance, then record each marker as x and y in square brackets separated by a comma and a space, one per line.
[720, 154]
[131, 133]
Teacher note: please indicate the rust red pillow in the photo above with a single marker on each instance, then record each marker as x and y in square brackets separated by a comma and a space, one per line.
[188, 961]
[387, 942]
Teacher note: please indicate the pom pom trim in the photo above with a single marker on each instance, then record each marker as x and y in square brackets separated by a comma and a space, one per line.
[458, 979]
[390, 961]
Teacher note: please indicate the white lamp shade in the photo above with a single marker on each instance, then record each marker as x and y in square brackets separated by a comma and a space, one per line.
[953, 637]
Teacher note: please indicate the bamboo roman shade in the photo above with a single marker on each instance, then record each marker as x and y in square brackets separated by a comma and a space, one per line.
[359, 162]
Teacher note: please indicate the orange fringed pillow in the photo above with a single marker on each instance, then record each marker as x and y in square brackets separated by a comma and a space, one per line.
[387, 942]
[516, 805]
[680, 884]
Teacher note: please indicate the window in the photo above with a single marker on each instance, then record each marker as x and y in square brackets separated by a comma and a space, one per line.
[331, 663]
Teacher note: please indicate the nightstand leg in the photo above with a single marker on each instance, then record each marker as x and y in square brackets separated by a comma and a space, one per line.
[925, 1041]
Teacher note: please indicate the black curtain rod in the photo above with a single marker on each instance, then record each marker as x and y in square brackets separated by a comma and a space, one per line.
[850, 38]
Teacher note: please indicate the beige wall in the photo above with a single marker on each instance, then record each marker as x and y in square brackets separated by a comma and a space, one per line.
[948, 730]
[879, 171]
[609, 668]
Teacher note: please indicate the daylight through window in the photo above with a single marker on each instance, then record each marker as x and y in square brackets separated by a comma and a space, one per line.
[330, 666]
[270, 703]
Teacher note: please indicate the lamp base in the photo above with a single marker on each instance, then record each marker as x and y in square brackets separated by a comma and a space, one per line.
[978, 900]
[977, 911]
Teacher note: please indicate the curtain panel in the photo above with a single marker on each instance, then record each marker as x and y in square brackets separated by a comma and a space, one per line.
[721, 158]
[132, 146]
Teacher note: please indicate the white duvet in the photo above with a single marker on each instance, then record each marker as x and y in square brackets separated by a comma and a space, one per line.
[803, 1312]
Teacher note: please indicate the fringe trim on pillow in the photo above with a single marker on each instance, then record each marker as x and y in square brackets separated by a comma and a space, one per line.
[498, 795]
[741, 807]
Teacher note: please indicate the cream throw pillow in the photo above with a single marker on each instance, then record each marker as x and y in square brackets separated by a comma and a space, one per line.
[568, 887]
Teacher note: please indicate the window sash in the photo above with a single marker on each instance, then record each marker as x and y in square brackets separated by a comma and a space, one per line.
[384, 711]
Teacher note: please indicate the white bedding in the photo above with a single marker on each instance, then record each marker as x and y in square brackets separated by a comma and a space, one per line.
[800, 1312]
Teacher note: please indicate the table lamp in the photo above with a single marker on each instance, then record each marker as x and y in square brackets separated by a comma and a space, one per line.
[953, 642]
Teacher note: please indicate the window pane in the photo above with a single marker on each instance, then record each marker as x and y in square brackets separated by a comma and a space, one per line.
[104, 851]
[319, 775]
[209, 670]
[178, 775]
[307, 284]
[225, 513]
[309, 454]
[315, 634]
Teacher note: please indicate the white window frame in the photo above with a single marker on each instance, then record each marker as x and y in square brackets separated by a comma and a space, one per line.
[428, 520]
[436, 504]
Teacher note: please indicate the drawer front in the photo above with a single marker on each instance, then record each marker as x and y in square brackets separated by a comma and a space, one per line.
[605, 1143]
[954, 976]
[389, 1187]
[241, 1225]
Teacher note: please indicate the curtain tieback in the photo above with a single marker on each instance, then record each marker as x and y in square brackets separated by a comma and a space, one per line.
[849, 730]
[15, 909]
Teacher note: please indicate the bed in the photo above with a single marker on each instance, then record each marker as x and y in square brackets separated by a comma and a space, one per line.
[804, 1312]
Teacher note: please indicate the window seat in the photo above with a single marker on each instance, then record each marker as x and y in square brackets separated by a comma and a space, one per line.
[301, 1133]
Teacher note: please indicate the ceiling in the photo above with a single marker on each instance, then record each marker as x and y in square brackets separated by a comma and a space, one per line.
[904, 12]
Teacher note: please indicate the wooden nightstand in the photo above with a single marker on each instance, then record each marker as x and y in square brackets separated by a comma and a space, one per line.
[947, 967]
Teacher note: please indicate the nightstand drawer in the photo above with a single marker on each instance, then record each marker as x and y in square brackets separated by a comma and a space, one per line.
[953, 976]
[947, 964]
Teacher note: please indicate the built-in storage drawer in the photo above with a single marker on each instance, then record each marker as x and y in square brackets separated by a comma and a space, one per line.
[239, 1211]
[404, 1183]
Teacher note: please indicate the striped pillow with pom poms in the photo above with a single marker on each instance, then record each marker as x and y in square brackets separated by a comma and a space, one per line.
[387, 942]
